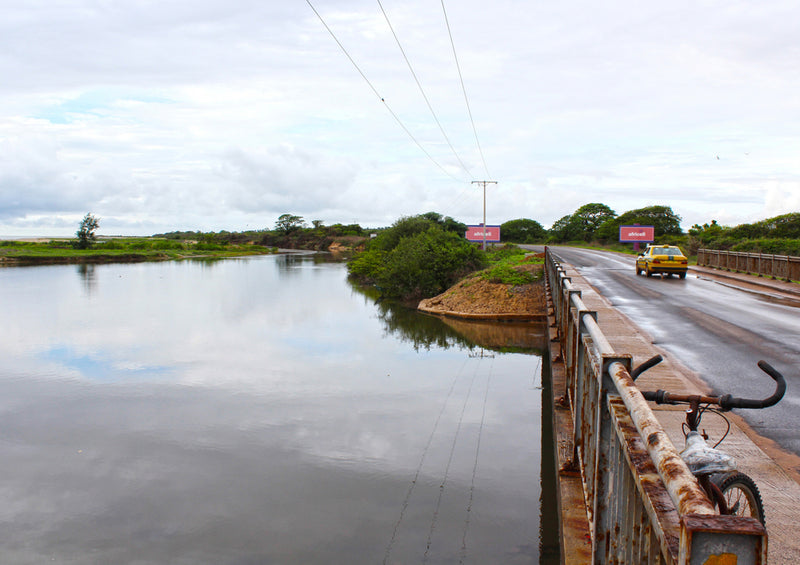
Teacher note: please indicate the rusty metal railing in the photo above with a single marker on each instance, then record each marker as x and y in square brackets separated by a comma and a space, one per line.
[642, 502]
[782, 267]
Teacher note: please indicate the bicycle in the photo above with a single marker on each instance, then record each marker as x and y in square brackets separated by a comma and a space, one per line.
[730, 491]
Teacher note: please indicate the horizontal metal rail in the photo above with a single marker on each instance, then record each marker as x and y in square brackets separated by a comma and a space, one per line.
[784, 267]
[642, 502]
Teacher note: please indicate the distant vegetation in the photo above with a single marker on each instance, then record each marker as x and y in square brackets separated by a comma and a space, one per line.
[291, 232]
[597, 224]
[593, 223]
[123, 249]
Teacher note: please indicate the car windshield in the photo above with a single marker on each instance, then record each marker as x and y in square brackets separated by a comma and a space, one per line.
[667, 251]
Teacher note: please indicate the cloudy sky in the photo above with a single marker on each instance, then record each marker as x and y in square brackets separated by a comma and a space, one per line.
[211, 114]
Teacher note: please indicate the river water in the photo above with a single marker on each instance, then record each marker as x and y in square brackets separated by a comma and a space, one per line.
[259, 411]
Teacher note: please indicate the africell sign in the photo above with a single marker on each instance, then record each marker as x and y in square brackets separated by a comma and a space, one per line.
[636, 233]
[476, 233]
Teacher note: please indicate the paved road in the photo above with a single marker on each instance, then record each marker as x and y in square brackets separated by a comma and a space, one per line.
[717, 330]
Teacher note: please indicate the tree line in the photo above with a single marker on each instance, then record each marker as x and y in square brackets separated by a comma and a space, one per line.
[598, 223]
[590, 223]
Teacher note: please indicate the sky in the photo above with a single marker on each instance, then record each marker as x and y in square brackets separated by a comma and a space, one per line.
[210, 115]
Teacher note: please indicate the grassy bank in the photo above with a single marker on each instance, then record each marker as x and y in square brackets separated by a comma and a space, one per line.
[121, 250]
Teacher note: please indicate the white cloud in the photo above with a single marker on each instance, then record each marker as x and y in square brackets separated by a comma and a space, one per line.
[212, 115]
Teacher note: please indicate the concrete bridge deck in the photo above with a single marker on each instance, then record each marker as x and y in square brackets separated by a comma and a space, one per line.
[776, 472]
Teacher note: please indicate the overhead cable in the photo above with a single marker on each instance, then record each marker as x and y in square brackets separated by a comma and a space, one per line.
[464, 90]
[422, 91]
[381, 98]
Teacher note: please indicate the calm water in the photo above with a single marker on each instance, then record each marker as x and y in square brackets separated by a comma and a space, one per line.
[256, 411]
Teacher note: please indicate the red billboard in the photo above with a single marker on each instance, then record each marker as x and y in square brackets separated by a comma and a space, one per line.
[636, 233]
[476, 233]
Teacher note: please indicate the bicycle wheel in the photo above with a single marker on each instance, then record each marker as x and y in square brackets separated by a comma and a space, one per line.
[741, 495]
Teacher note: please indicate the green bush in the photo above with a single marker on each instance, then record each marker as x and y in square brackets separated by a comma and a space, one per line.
[368, 265]
[415, 258]
[390, 238]
[427, 263]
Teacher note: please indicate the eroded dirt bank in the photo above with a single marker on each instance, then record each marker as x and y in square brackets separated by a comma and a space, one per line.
[478, 298]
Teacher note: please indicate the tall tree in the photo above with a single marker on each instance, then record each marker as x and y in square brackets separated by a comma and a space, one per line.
[85, 233]
[591, 216]
[565, 229]
[288, 223]
[522, 230]
[662, 218]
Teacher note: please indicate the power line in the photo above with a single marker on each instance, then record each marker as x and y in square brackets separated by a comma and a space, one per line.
[421, 461]
[422, 91]
[375, 90]
[464, 90]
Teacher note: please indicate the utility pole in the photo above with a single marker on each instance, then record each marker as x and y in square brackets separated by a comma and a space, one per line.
[484, 183]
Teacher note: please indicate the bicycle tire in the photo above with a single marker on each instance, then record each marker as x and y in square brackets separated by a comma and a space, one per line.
[742, 495]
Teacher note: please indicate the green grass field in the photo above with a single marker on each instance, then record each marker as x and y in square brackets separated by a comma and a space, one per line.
[122, 249]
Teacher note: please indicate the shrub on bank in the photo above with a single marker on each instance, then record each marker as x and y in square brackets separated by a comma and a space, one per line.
[415, 258]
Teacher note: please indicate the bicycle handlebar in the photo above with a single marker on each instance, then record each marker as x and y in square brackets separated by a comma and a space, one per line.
[727, 401]
[652, 362]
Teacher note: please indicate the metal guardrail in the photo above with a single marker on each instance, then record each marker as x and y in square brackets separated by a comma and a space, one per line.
[642, 502]
[783, 267]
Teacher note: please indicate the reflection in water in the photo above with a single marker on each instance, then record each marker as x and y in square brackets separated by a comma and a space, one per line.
[289, 263]
[205, 262]
[87, 274]
[424, 331]
[549, 537]
[525, 337]
[259, 411]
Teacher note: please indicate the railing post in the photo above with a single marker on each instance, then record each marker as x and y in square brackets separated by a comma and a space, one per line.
[722, 539]
[794, 269]
[607, 469]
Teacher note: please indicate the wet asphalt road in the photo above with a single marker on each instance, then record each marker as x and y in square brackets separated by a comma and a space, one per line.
[717, 330]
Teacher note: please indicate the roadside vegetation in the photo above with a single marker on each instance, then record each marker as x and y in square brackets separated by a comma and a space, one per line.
[507, 266]
[598, 225]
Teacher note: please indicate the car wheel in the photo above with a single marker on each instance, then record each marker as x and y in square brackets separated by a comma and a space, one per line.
[682, 275]
[647, 271]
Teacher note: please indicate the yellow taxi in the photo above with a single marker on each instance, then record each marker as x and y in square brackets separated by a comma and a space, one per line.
[662, 259]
